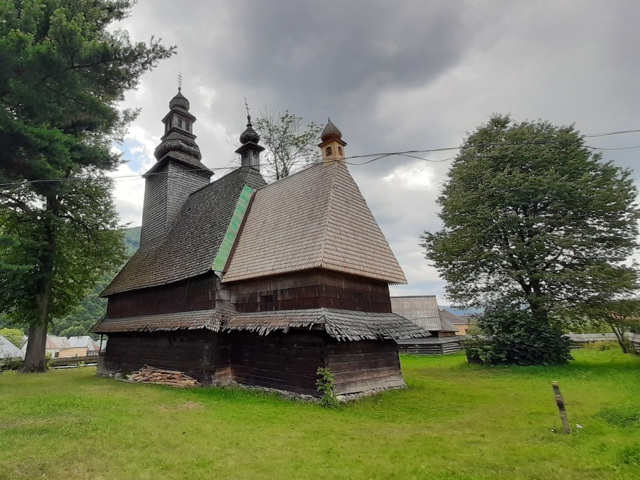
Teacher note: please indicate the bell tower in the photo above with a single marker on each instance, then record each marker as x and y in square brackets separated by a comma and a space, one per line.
[177, 173]
[250, 150]
[332, 145]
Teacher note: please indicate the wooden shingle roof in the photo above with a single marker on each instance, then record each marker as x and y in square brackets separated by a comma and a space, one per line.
[316, 218]
[192, 244]
[423, 311]
[340, 324]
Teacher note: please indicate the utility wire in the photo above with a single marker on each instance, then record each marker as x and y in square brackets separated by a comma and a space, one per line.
[376, 156]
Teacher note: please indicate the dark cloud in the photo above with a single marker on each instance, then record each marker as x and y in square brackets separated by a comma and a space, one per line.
[395, 76]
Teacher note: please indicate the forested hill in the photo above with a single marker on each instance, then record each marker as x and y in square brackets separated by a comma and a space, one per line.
[92, 308]
[131, 240]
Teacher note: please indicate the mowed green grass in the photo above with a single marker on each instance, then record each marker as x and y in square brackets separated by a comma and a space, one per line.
[455, 421]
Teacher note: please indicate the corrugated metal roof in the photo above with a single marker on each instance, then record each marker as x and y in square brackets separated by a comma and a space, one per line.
[316, 218]
[9, 350]
[53, 343]
[84, 342]
[453, 318]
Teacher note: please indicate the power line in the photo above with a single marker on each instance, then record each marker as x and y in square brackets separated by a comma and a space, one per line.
[376, 156]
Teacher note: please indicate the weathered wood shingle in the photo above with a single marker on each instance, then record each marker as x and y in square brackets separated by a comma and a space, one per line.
[316, 218]
[190, 247]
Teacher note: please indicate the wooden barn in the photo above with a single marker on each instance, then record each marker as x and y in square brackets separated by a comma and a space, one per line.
[424, 312]
[240, 281]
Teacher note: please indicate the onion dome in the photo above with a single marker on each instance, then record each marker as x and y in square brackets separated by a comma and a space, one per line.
[330, 132]
[179, 101]
[249, 135]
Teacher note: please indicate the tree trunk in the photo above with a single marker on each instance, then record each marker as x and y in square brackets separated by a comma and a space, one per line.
[35, 358]
[538, 310]
[619, 333]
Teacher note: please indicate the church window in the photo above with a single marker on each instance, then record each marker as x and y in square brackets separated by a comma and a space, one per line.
[328, 151]
[266, 303]
[339, 150]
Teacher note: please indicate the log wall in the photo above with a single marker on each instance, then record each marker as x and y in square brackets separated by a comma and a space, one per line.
[283, 361]
[364, 366]
[312, 289]
[198, 293]
[201, 354]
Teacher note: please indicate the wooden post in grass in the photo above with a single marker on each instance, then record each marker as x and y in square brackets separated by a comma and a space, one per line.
[560, 404]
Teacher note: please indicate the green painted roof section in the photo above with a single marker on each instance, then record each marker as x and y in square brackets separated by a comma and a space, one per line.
[232, 230]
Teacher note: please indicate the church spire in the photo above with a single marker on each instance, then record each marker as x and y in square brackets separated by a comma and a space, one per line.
[178, 142]
[249, 150]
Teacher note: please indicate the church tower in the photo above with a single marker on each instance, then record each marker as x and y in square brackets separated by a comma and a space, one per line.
[250, 150]
[177, 173]
[332, 145]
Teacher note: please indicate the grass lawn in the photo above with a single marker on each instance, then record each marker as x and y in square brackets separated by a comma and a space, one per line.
[456, 421]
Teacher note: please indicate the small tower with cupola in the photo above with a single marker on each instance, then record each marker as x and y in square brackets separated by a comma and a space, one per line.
[250, 150]
[332, 145]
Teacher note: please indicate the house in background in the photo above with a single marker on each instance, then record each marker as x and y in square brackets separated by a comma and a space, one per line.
[461, 323]
[240, 281]
[423, 311]
[53, 346]
[8, 350]
[86, 342]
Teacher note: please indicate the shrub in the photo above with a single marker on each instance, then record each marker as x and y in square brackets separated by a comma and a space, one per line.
[10, 364]
[515, 337]
[601, 346]
[326, 386]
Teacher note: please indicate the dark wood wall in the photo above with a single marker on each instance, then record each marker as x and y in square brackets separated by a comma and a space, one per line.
[201, 354]
[312, 289]
[283, 361]
[197, 293]
[364, 366]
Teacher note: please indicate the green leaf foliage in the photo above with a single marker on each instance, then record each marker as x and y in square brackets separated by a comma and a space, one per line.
[515, 337]
[290, 145]
[14, 335]
[63, 71]
[532, 218]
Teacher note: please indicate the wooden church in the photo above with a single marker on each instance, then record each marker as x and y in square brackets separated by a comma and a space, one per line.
[237, 281]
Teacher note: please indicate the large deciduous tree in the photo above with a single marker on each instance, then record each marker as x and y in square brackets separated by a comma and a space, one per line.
[63, 71]
[290, 145]
[534, 219]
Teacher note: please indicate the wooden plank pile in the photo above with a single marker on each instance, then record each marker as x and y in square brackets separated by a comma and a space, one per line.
[172, 378]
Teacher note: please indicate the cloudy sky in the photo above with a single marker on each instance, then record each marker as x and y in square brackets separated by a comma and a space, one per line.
[393, 76]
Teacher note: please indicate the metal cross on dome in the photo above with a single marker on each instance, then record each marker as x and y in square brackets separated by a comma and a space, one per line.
[180, 80]
[246, 106]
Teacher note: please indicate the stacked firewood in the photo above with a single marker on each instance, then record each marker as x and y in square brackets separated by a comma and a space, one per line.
[172, 378]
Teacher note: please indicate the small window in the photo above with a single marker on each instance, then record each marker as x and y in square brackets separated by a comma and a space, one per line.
[328, 151]
[179, 123]
[266, 303]
[358, 299]
[340, 151]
